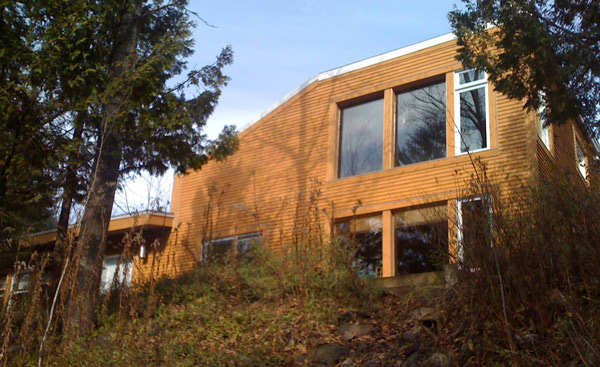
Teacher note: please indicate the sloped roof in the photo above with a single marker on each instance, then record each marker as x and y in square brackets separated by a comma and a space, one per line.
[355, 66]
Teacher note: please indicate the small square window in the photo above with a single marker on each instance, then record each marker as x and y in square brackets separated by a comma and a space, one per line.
[110, 277]
[23, 281]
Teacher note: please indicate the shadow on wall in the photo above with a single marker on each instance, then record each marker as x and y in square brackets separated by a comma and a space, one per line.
[260, 187]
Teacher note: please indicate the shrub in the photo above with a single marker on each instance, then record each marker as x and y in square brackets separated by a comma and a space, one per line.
[531, 288]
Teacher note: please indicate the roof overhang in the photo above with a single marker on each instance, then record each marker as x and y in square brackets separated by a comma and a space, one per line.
[118, 224]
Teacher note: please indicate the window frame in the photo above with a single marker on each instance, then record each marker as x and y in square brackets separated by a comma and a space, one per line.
[581, 168]
[106, 287]
[3, 284]
[459, 223]
[234, 243]
[544, 134]
[408, 88]
[432, 214]
[341, 106]
[376, 224]
[17, 280]
[543, 128]
[461, 88]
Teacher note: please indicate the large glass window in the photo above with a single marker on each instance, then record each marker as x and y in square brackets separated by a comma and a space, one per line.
[472, 117]
[421, 124]
[421, 240]
[364, 238]
[474, 231]
[218, 249]
[361, 139]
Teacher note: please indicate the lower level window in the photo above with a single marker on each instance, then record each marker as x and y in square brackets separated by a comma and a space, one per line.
[110, 278]
[474, 231]
[241, 246]
[2, 286]
[421, 240]
[364, 238]
[19, 284]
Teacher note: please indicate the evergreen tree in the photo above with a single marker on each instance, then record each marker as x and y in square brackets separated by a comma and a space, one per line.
[141, 123]
[543, 52]
[93, 103]
[31, 130]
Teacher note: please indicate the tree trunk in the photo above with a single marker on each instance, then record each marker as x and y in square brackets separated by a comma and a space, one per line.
[70, 189]
[81, 305]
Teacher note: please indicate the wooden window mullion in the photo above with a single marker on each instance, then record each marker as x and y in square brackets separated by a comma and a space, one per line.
[388, 129]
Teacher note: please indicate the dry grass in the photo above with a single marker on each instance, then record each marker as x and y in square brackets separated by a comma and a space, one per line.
[528, 297]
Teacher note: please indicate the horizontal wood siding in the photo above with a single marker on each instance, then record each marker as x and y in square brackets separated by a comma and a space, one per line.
[284, 158]
[560, 161]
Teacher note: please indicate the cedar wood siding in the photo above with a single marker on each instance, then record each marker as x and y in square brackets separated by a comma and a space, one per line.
[283, 154]
[560, 159]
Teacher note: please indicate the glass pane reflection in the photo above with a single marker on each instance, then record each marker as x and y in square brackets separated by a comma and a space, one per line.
[364, 237]
[473, 123]
[361, 143]
[421, 125]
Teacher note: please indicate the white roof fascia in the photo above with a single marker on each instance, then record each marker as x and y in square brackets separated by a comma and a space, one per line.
[356, 66]
[387, 56]
[123, 216]
[145, 212]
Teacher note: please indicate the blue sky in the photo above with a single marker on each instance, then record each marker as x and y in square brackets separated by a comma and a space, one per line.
[278, 45]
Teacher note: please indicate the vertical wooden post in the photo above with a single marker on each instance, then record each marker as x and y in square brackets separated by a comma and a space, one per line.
[388, 129]
[388, 244]
[7, 290]
[450, 119]
[333, 142]
[452, 231]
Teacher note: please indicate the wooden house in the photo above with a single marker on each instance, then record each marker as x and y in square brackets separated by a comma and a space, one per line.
[384, 150]
[391, 145]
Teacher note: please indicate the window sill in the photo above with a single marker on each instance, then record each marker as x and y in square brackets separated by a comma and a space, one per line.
[422, 166]
[458, 154]
[584, 178]
[434, 278]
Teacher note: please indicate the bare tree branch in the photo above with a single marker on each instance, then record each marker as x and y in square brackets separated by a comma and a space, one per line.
[174, 3]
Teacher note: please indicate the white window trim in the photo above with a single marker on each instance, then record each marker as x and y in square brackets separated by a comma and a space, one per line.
[581, 169]
[16, 280]
[3, 284]
[107, 286]
[544, 132]
[458, 89]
